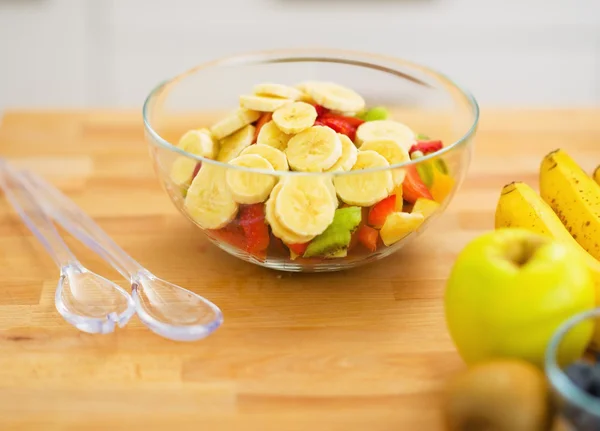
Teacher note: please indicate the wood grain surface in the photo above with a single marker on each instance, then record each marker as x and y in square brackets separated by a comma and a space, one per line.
[357, 350]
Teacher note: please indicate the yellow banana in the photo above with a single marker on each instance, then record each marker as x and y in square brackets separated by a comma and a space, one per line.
[520, 206]
[574, 197]
[597, 175]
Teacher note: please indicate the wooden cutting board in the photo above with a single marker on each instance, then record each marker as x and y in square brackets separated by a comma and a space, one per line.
[362, 349]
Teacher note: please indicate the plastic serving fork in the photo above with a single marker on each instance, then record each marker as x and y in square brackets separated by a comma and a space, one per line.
[86, 300]
[165, 308]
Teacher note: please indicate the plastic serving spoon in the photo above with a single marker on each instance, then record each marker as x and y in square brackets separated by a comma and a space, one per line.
[86, 300]
[167, 309]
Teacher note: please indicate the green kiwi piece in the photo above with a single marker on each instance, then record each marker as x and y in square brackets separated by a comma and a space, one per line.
[338, 234]
[421, 137]
[441, 166]
[375, 113]
[425, 170]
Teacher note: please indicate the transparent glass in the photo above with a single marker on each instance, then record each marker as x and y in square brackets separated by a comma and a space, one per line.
[578, 409]
[426, 101]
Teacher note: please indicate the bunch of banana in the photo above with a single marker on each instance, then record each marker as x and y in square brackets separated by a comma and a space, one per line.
[567, 209]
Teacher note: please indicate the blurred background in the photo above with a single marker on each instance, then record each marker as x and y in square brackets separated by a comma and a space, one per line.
[110, 53]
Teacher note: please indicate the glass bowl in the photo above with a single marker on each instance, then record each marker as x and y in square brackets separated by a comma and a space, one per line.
[579, 409]
[275, 217]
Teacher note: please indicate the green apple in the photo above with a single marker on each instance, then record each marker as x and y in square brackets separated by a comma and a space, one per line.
[509, 291]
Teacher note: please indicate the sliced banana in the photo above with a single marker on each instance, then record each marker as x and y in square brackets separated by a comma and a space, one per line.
[250, 187]
[305, 205]
[295, 117]
[234, 122]
[335, 97]
[209, 201]
[393, 152]
[232, 145]
[274, 156]
[272, 136]
[348, 157]
[365, 189]
[199, 142]
[182, 170]
[277, 90]
[385, 129]
[279, 230]
[262, 103]
[314, 150]
[303, 87]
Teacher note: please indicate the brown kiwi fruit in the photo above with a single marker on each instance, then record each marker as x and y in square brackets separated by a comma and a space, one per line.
[500, 395]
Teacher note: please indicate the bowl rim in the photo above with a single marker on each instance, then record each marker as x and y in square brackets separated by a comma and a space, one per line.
[343, 56]
[557, 377]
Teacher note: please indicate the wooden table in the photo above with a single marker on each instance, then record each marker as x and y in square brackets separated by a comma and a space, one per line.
[363, 349]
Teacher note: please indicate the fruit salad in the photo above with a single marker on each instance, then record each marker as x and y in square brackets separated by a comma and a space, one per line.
[312, 127]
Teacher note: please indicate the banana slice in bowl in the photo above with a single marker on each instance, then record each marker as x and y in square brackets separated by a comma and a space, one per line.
[315, 149]
[209, 201]
[250, 187]
[385, 129]
[305, 205]
[369, 188]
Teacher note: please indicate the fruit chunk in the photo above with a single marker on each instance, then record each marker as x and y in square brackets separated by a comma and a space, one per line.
[398, 225]
[277, 90]
[231, 234]
[256, 231]
[275, 157]
[250, 187]
[385, 129]
[338, 234]
[340, 126]
[442, 185]
[393, 152]
[381, 210]
[209, 201]
[365, 189]
[427, 207]
[298, 249]
[278, 229]
[351, 121]
[315, 149]
[335, 97]
[200, 143]
[374, 114]
[574, 197]
[413, 187]
[295, 117]
[232, 145]
[305, 205]
[509, 291]
[262, 103]
[264, 119]
[368, 237]
[271, 135]
[426, 147]
[234, 122]
[348, 157]
[480, 398]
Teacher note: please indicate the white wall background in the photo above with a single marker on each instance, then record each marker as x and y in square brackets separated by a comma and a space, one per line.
[109, 53]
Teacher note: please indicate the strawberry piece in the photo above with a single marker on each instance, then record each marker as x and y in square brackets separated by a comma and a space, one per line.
[368, 237]
[413, 187]
[321, 110]
[381, 210]
[263, 119]
[256, 231]
[196, 170]
[231, 234]
[299, 249]
[427, 147]
[353, 121]
[339, 125]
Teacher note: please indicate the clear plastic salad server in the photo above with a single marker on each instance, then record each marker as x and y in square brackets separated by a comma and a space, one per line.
[167, 309]
[86, 300]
